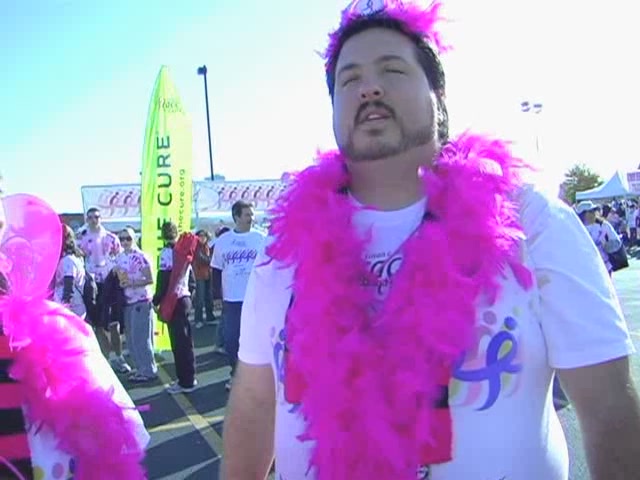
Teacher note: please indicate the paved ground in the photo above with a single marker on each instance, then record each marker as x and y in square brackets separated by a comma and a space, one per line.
[628, 286]
[186, 431]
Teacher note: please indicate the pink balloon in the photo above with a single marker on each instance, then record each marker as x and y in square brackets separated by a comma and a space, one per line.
[31, 243]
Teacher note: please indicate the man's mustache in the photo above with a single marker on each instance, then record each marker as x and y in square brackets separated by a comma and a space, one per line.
[378, 105]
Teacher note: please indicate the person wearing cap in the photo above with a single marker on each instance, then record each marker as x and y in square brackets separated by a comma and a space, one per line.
[414, 328]
[600, 230]
[133, 268]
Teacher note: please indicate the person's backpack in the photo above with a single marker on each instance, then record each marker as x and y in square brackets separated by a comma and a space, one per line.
[618, 258]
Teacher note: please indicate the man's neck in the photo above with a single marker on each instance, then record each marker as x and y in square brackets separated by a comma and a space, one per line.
[95, 229]
[391, 183]
[241, 230]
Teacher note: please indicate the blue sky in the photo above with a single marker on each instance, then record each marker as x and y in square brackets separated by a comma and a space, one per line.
[77, 77]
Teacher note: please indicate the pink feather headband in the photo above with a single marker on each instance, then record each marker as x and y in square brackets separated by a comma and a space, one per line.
[415, 19]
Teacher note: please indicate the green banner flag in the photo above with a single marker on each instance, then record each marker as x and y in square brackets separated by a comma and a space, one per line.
[166, 189]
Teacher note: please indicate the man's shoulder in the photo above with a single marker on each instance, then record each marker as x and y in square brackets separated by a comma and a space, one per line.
[537, 207]
[105, 234]
[69, 260]
[223, 241]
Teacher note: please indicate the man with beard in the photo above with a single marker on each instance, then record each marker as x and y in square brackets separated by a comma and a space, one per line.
[415, 327]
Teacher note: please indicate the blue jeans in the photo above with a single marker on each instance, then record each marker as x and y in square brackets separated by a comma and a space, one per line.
[138, 321]
[231, 312]
[203, 299]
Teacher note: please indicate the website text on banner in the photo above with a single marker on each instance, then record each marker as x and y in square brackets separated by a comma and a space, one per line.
[121, 202]
[166, 189]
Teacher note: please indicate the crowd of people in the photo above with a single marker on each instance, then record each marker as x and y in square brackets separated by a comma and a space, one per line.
[107, 279]
[613, 227]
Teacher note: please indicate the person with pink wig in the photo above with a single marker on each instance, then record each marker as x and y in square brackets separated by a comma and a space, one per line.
[63, 411]
[413, 329]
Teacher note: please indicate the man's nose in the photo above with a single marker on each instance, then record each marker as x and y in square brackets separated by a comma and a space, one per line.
[371, 91]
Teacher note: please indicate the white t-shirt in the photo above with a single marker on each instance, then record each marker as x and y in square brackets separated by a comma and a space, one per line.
[71, 266]
[234, 254]
[504, 424]
[605, 239]
[131, 265]
[165, 263]
[100, 248]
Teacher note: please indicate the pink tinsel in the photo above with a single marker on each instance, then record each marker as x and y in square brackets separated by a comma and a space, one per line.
[51, 347]
[416, 19]
[52, 351]
[368, 385]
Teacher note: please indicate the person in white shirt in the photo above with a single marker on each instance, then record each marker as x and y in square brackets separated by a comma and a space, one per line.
[70, 275]
[233, 256]
[63, 411]
[414, 327]
[133, 269]
[100, 249]
[601, 231]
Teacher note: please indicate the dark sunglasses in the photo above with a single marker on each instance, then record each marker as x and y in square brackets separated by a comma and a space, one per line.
[125, 239]
[93, 217]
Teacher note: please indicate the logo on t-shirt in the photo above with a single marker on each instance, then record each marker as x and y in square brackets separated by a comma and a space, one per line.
[383, 267]
[234, 257]
[278, 339]
[492, 369]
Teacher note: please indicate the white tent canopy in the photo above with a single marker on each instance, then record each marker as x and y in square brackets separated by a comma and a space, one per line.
[616, 187]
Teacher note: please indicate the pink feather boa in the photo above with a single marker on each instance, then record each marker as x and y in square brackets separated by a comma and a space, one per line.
[367, 384]
[416, 19]
[51, 346]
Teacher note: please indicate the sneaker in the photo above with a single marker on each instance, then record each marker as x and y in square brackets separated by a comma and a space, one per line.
[219, 349]
[175, 388]
[120, 365]
[199, 325]
[229, 384]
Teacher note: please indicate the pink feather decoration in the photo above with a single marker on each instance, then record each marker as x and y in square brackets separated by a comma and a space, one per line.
[366, 410]
[51, 347]
[417, 20]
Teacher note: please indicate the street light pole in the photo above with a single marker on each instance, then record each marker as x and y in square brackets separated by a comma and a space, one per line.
[203, 71]
[536, 109]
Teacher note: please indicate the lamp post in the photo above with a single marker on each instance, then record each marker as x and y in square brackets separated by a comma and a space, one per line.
[535, 109]
[203, 71]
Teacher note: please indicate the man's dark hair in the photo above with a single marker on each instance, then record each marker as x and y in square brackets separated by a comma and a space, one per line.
[238, 207]
[92, 210]
[426, 56]
[169, 231]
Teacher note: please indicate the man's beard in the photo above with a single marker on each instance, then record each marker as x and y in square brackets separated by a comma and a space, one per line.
[378, 150]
